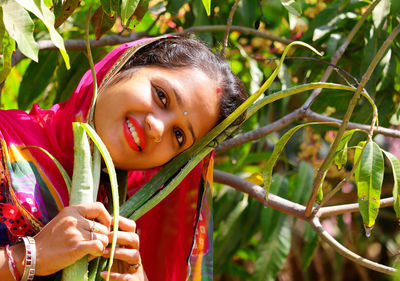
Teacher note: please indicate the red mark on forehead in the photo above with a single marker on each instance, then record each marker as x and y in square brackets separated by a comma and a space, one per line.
[218, 90]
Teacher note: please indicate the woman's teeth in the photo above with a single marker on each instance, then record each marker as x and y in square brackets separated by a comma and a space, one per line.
[133, 133]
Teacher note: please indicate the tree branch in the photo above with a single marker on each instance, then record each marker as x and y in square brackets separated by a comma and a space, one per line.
[258, 193]
[260, 132]
[339, 52]
[228, 27]
[325, 236]
[349, 208]
[110, 40]
[297, 210]
[290, 118]
[325, 165]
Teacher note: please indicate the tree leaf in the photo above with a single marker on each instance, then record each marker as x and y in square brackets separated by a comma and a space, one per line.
[67, 9]
[310, 244]
[7, 46]
[139, 13]
[128, 7]
[341, 156]
[207, 6]
[36, 79]
[380, 12]
[369, 177]
[276, 237]
[19, 26]
[39, 9]
[101, 22]
[279, 146]
[292, 6]
[300, 184]
[396, 176]
[107, 7]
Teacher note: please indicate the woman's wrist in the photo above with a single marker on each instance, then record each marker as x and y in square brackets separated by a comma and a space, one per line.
[18, 253]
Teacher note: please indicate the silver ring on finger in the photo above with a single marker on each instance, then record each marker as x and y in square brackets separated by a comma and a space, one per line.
[92, 229]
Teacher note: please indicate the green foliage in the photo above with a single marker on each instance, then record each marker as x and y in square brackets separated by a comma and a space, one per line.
[369, 178]
[250, 242]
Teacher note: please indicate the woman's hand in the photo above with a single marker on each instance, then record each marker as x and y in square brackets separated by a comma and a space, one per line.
[67, 237]
[127, 263]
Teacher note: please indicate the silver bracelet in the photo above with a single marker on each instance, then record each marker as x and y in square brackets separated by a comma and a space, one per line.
[30, 258]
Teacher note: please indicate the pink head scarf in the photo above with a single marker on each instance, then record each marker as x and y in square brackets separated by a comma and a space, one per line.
[175, 241]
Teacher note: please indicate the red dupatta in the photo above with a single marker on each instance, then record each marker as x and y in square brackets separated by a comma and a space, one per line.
[175, 241]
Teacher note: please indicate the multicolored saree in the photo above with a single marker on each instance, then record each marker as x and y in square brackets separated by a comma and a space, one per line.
[175, 236]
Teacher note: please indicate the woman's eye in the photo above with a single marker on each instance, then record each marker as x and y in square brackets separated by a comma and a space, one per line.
[180, 137]
[162, 97]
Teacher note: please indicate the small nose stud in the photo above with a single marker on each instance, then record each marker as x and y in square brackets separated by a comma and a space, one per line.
[157, 140]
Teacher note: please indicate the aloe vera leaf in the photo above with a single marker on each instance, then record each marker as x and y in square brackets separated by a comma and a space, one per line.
[216, 135]
[396, 176]
[81, 193]
[267, 173]
[64, 173]
[96, 170]
[369, 178]
[114, 187]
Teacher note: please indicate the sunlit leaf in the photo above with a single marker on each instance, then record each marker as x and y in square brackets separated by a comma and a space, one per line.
[139, 13]
[292, 6]
[128, 7]
[7, 46]
[207, 6]
[19, 26]
[380, 12]
[396, 176]
[39, 9]
[369, 177]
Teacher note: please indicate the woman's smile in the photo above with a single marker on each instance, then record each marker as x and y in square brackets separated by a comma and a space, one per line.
[134, 134]
[153, 113]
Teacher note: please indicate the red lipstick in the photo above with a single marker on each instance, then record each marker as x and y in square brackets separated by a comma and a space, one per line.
[139, 132]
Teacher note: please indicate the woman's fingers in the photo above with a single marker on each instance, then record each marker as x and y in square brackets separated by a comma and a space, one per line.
[130, 256]
[95, 211]
[95, 227]
[121, 277]
[127, 239]
[126, 224]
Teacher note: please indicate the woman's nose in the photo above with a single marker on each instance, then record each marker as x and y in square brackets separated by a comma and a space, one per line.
[155, 127]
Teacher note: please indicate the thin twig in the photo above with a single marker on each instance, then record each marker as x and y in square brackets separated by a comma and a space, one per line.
[290, 118]
[228, 27]
[339, 52]
[349, 208]
[336, 67]
[114, 39]
[325, 236]
[342, 128]
[260, 132]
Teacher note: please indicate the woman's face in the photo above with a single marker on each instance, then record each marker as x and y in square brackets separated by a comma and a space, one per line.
[149, 118]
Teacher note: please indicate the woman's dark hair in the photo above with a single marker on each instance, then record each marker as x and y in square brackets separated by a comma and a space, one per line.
[176, 52]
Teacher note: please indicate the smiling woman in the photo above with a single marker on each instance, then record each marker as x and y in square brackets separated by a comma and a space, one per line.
[145, 125]
[157, 97]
